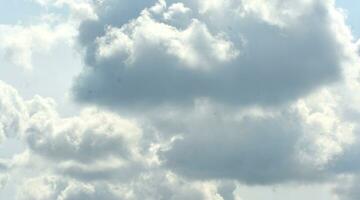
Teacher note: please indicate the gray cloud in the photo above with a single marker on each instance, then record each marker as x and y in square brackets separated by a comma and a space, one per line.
[310, 142]
[254, 150]
[149, 61]
[109, 171]
[4, 165]
[298, 143]
[349, 189]
[239, 53]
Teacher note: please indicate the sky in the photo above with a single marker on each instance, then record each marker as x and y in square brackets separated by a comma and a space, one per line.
[179, 99]
[353, 16]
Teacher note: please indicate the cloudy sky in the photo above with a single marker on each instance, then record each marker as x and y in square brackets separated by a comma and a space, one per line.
[179, 99]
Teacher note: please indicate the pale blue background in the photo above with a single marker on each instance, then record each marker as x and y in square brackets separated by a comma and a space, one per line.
[353, 10]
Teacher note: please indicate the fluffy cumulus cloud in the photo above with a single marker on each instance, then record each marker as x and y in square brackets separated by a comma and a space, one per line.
[91, 146]
[231, 83]
[174, 53]
[95, 155]
[204, 96]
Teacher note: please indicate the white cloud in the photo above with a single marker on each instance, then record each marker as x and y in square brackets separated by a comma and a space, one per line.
[3, 180]
[169, 186]
[52, 187]
[178, 15]
[80, 9]
[147, 187]
[92, 146]
[20, 42]
[86, 138]
[12, 109]
[186, 46]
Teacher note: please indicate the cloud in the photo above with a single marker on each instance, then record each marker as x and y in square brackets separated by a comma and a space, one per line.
[349, 190]
[79, 9]
[248, 55]
[233, 152]
[257, 146]
[212, 92]
[21, 42]
[102, 155]
[178, 15]
[151, 186]
[18, 43]
[53, 187]
[3, 181]
[161, 58]
[86, 138]
[236, 154]
[95, 155]
[4, 177]
[3, 165]
[92, 146]
[12, 109]
[170, 186]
